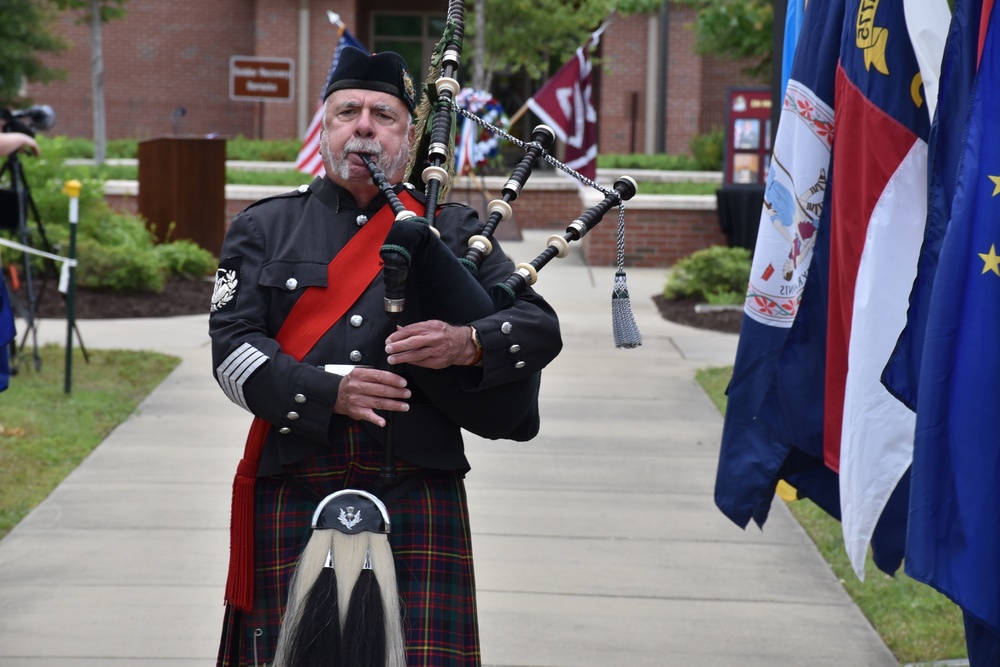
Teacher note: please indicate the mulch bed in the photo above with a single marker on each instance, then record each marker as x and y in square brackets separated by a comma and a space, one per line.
[181, 296]
[683, 311]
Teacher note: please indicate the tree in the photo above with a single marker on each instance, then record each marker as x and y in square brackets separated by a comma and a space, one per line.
[537, 35]
[95, 13]
[736, 30]
[24, 34]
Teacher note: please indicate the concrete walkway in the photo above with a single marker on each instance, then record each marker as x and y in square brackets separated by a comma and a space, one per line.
[597, 544]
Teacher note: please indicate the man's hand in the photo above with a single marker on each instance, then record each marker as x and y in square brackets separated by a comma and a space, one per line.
[364, 390]
[431, 344]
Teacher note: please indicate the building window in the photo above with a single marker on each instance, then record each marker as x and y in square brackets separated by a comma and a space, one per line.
[412, 36]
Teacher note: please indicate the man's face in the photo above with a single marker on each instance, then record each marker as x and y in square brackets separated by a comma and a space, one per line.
[364, 121]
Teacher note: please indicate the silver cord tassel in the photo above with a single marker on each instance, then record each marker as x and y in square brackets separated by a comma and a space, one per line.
[626, 331]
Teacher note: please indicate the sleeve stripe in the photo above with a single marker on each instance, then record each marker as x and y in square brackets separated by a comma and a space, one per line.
[237, 368]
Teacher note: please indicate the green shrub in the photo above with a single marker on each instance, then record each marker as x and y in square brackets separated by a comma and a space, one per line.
[120, 267]
[281, 150]
[123, 148]
[658, 161]
[716, 274]
[184, 257]
[65, 147]
[707, 150]
[78, 147]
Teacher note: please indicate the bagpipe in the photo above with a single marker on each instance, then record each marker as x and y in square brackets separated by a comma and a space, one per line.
[346, 571]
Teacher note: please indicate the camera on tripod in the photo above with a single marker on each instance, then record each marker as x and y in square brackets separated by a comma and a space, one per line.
[17, 210]
[27, 121]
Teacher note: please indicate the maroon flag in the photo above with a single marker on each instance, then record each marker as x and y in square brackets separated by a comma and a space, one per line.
[564, 103]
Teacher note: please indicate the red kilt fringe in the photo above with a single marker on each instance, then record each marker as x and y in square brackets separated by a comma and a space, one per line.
[431, 545]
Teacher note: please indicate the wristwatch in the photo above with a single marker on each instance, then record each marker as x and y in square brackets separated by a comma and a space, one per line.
[479, 346]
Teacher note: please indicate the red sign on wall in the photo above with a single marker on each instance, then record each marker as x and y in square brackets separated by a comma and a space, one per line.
[748, 136]
[260, 79]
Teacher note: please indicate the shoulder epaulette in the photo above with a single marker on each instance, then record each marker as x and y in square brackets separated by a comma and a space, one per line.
[301, 191]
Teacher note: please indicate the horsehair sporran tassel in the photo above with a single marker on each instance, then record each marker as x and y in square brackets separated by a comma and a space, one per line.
[307, 571]
[317, 639]
[353, 555]
[380, 557]
[626, 332]
[364, 626]
[345, 575]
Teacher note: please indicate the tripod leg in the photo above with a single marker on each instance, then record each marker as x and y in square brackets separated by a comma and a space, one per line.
[79, 340]
[25, 203]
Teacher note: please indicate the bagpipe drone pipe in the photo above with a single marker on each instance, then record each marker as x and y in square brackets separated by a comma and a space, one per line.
[416, 261]
[432, 164]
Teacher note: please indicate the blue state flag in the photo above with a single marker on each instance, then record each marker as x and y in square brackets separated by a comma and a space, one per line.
[944, 148]
[793, 26]
[953, 540]
[787, 276]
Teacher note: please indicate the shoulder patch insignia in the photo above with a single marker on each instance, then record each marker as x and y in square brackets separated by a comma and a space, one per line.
[227, 283]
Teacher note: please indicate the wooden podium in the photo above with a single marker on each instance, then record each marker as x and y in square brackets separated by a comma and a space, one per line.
[182, 180]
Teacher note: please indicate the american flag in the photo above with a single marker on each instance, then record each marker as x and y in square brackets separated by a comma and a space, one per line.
[309, 160]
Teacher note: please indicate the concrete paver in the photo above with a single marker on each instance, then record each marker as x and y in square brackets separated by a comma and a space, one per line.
[596, 544]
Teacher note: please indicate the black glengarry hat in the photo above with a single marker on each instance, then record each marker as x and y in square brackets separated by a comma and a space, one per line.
[383, 72]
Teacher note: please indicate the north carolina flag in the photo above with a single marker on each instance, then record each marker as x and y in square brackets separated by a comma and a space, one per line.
[564, 103]
[309, 160]
[878, 209]
[953, 539]
[773, 422]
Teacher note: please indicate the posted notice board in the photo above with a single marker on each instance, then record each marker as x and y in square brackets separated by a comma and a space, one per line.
[747, 136]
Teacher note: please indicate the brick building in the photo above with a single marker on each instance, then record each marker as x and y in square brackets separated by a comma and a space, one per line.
[653, 92]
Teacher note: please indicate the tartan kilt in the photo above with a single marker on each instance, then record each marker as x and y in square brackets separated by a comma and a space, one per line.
[431, 546]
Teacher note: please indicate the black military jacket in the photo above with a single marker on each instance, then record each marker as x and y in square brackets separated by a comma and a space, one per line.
[279, 247]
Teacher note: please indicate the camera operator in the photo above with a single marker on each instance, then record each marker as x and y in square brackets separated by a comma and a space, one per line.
[13, 141]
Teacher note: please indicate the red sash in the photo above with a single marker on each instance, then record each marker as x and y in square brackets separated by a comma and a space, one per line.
[316, 311]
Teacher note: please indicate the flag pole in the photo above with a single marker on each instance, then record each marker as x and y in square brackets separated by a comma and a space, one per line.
[517, 114]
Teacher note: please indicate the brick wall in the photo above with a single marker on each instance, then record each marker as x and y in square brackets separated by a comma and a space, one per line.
[166, 55]
[621, 85]
[658, 230]
[162, 56]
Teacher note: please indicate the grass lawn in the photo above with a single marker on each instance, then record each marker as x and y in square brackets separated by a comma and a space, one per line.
[36, 450]
[917, 623]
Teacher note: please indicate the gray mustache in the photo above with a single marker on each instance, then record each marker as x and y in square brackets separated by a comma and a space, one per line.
[370, 146]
